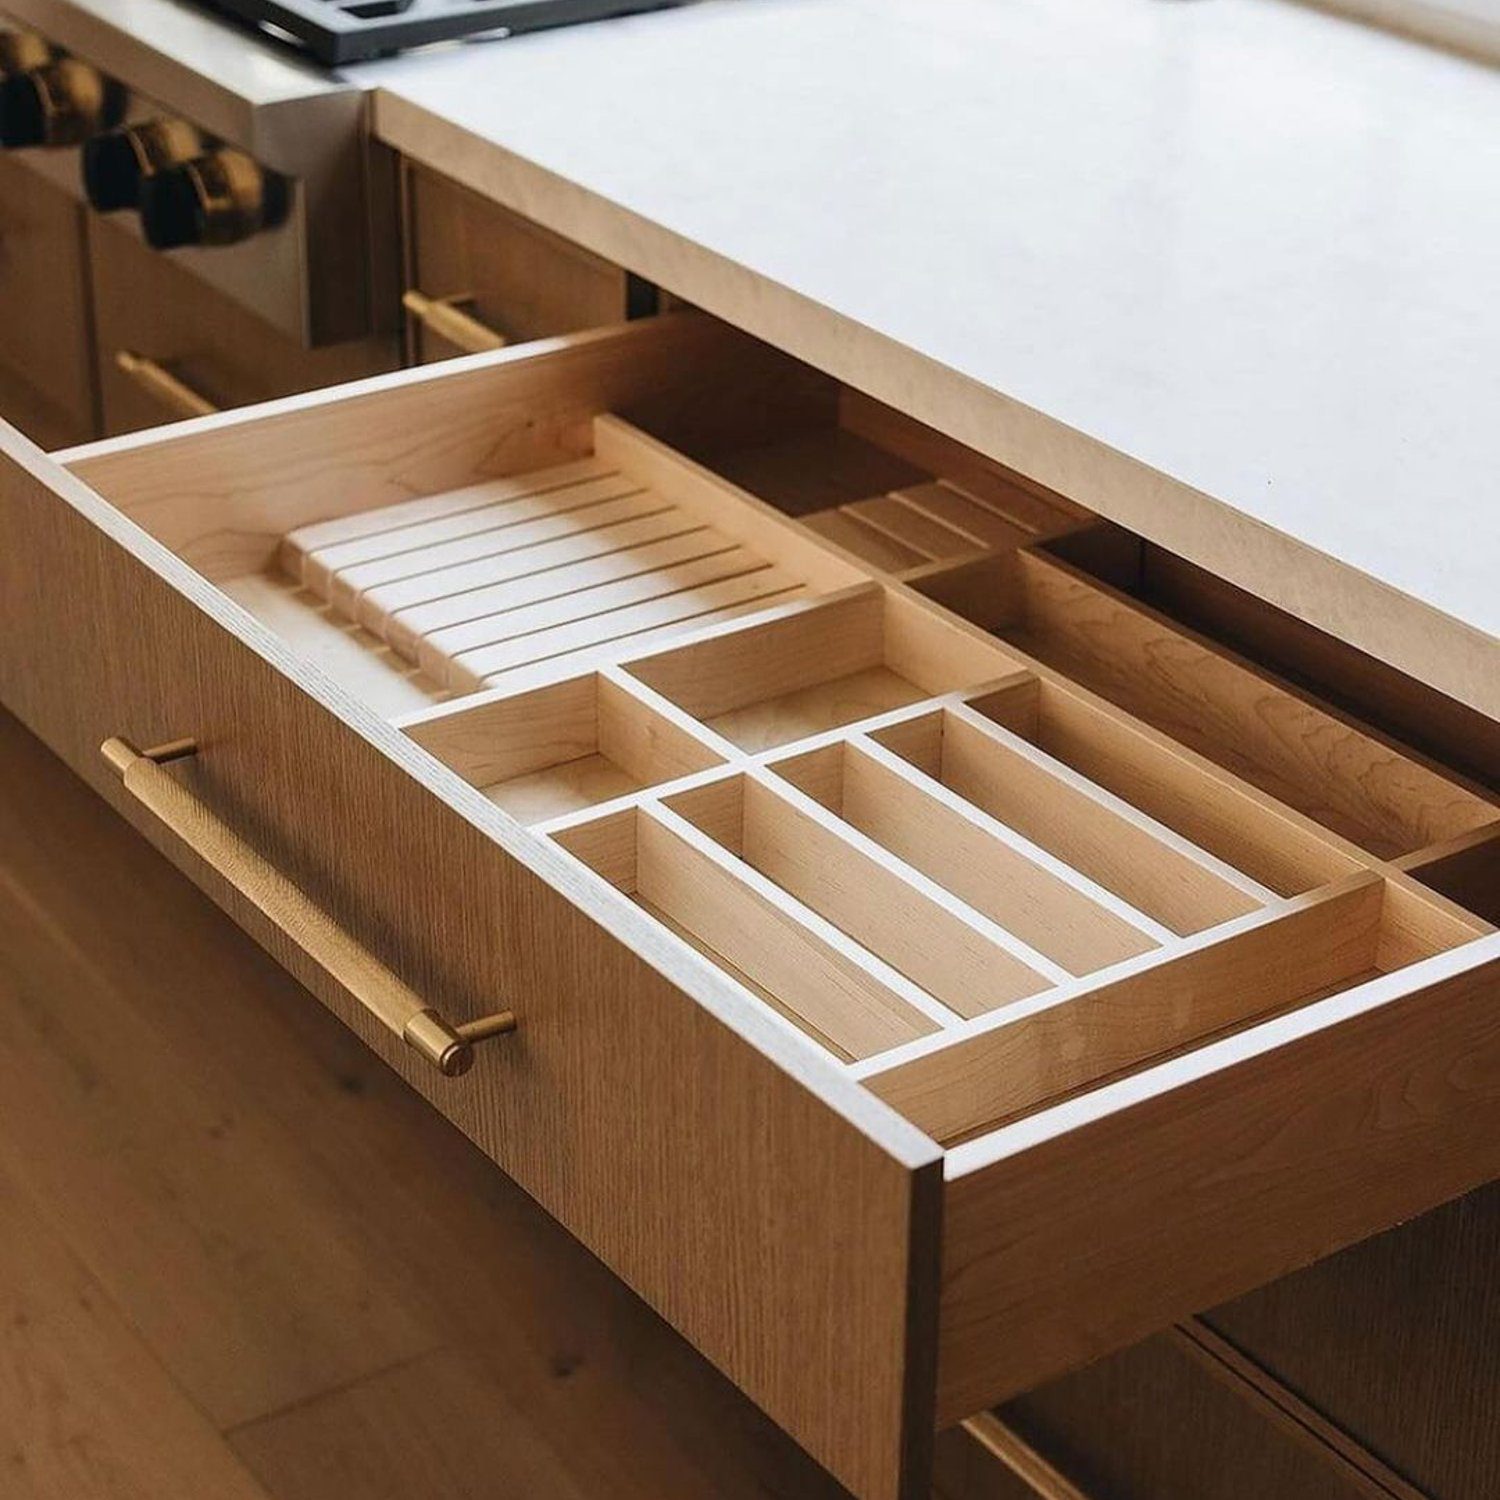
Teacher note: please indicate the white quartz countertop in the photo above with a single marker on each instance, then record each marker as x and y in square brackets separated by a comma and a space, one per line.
[1226, 271]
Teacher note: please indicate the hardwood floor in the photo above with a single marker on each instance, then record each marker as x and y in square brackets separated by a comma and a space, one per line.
[239, 1259]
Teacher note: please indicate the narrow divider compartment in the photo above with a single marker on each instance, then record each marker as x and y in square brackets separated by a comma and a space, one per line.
[558, 748]
[1343, 776]
[1195, 798]
[1035, 1054]
[996, 871]
[1100, 836]
[820, 665]
[799, 965]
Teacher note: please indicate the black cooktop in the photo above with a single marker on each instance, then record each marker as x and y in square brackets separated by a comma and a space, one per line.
[345, 31]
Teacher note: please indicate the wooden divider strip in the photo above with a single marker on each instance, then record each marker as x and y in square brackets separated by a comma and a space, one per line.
[1100, 835]
[832, 636]
[1016, 883]
[318, 537]
[526, 498]
[954, 952]
[579, 587]
[485, 666]
[469, 650]
[736, 512]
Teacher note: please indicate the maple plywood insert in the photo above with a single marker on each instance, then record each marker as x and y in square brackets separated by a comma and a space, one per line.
[561, 747]
[1104, 839]
[983, 863]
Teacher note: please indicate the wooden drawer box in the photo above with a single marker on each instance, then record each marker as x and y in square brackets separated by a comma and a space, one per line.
[479, 276]
[904, 1020]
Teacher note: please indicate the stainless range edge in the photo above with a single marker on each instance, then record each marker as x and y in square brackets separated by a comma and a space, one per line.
[316, 272]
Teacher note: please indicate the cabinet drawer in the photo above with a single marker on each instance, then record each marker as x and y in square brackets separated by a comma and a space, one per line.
[905, 1020]
[47, 373]
[508, 279]
[148, 309]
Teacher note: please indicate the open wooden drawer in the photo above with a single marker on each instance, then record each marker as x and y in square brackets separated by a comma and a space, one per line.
[904, 1009]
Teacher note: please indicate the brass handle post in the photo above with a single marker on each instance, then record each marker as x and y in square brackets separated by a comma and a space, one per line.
[446, 318]
[163, 386]
[144, 775]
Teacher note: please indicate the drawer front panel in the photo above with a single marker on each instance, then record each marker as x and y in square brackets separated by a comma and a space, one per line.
[1215, 1174]
[767, 1225]
[147, 306]
[44, 333]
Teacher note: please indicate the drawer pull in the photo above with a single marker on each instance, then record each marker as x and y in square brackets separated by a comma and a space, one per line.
[446, 318]
[162, 385]
[448, 1047]
[1003, 1442]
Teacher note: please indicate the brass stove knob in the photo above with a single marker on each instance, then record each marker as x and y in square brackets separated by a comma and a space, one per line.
[21, 51]
[61, 103]
[220, 198]
[114, 165]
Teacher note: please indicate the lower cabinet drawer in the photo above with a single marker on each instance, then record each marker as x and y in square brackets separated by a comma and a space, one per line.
[909, 1008]
[46, 367]
[170, 346]
[479, 276]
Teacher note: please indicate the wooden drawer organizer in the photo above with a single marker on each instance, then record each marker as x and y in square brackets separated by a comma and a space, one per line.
[911, 1006]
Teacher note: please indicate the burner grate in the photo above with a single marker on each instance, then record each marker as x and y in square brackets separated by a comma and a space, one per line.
[346, 31]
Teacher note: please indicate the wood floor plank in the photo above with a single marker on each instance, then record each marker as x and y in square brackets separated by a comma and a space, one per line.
[86, 1411]
[435, 1426]
[201, 1218]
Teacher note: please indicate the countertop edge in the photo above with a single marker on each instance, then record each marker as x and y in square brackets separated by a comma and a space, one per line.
[1428, 644]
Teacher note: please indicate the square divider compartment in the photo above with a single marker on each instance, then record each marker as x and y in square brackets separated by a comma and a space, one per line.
[553, 749]
[819, 665]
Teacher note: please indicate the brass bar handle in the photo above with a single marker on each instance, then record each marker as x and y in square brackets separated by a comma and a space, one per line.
[1004, 1443]
[163, 386]
[446, 318]
[398, 1008]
